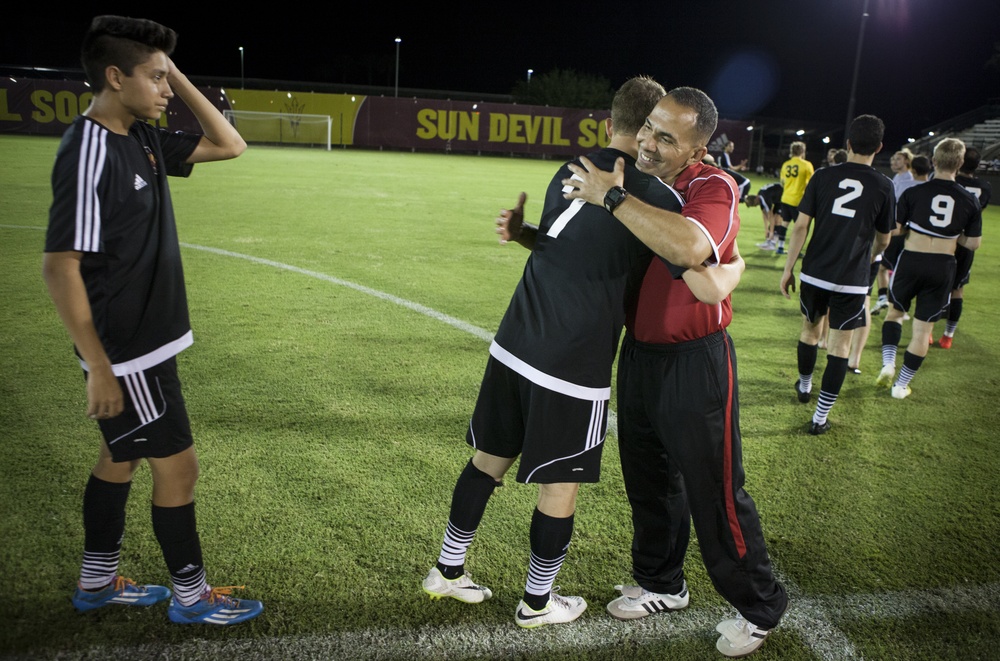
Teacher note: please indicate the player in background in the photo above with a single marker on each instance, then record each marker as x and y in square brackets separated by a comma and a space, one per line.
[919, 168]
[794, 174]
[937, 216]
[768, 198]
[963, 256]
[853, 205]
[678, 417]
[725, 161]
[901, 165]
[112, 266]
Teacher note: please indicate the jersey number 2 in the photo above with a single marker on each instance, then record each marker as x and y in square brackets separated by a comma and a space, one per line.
[854, 189]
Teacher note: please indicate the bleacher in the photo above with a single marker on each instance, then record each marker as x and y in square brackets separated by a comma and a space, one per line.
[978, 128]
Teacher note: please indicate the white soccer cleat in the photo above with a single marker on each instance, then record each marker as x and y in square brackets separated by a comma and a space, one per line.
[637, 602]
[461, 588]
[886, 376]
[901, 392]
[559, 610]
[739, 638]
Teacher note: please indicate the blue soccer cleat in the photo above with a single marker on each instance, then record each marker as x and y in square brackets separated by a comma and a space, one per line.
[122, 591]
[215, 607]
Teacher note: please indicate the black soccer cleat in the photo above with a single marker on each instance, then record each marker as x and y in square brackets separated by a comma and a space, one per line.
[804, 397]
[817, 429]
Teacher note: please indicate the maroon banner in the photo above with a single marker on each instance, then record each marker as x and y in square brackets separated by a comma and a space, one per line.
[478, 127]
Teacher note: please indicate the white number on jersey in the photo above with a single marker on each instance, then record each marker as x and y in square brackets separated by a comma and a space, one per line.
[854, 188]
[975, 190]
[945, 206]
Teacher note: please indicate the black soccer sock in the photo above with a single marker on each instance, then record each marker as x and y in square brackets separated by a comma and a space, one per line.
[883, 292]
[780, 231]
[892, 332]
[807, 363]
[833, 381]
[104, 528]
[550, 538]
[911, 363]
[954, 314]
[176, 531]
[468, 503]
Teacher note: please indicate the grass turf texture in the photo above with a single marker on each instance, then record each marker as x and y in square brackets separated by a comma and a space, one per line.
[330, 424]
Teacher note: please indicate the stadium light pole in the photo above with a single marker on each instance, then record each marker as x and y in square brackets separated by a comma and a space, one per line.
[241, 67]
[397, 65]
[857, 64]
[530, 71]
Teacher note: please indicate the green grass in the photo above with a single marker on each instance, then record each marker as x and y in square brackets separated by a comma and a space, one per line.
[330, 428]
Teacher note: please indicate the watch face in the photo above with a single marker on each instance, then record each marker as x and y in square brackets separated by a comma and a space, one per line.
[614, 197]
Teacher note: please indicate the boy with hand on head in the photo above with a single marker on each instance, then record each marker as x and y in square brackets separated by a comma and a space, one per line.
[112, 266]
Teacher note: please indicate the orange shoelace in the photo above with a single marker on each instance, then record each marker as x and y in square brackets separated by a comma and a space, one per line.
[222, 594]
[121, 583]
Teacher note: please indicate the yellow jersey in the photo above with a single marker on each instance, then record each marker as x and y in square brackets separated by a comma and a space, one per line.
[795, 174]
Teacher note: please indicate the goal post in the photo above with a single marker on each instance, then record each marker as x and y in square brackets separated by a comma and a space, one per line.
[281, 128]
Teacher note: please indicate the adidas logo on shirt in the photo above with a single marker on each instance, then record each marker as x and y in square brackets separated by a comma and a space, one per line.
[140, 183]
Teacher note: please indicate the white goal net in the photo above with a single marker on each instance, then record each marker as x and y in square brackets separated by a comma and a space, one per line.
[282, 128]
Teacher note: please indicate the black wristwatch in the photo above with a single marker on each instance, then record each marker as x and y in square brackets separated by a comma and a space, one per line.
[614, 197]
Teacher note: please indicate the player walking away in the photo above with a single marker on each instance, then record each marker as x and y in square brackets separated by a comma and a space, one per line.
[854, 208]
[678, 415]
[903, 177]
[547, 383]
[963, 256]
[113, 269]
[795, 173]
[938, 216]
[768, 198]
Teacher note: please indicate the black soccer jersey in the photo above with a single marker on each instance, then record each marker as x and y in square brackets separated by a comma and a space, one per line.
[940, 208]
[562, 326]
[978, 187]
[770, 196]
[111, 202]
[850, 203]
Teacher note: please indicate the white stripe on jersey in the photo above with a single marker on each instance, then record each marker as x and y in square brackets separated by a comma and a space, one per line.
[732, 213]
[546, 380]
[150, 359]
[830, 286]
[565, 216]
[93, 151]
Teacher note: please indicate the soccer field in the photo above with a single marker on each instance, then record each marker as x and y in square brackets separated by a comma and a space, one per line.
[342, 304]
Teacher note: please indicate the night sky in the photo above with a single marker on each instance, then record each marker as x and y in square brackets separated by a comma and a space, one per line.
[922, 61]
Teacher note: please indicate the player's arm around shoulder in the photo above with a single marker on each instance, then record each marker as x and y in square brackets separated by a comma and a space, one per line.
[221, 141]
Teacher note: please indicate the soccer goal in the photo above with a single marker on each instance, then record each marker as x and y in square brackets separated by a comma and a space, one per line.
[281, 128]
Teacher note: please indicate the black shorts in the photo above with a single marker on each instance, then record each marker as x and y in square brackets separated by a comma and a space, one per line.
[155, 421]
[891, 254]
[559, 438]
[847, 311]
[788, 212]
[927, 277]
[963, 266]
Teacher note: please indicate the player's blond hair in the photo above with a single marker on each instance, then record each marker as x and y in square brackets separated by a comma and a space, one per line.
[949, 154]
[797, 148]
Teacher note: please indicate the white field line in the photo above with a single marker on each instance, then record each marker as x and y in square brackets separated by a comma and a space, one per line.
[809, 617]
[595, 632]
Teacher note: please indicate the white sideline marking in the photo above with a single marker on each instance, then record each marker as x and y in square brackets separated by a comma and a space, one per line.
[416, 307]
[809, 617]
